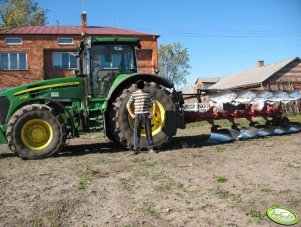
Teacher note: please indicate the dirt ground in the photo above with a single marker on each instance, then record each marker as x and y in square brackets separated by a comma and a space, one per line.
[94, 183]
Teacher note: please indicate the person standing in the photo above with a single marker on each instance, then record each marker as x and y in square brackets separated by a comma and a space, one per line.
[141, 99]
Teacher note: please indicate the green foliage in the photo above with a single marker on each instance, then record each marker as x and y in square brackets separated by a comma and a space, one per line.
[17, 13]
[174, 63]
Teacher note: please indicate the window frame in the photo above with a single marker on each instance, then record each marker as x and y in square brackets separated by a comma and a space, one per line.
[61, 66]
[7, 38]
[65, 44]
[18, 61]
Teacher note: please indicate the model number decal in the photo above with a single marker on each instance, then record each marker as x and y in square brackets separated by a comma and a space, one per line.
[23, 97]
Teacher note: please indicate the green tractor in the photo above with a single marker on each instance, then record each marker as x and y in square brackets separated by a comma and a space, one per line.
[37, 118]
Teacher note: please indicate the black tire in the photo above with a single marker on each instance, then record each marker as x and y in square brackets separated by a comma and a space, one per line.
[120, 124]
[40, 113]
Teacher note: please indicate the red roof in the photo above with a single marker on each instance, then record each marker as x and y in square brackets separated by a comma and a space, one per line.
[71, 30]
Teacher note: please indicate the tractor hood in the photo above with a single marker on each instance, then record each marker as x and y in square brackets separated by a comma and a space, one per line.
[60, 89]
[41, 86]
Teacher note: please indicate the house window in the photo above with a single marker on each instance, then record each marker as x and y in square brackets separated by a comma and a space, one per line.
[13, 41]
[13, 61]
[64, 60]
[65, 41]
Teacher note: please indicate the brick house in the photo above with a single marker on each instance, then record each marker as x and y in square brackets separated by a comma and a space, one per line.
[202, 83]
[206, 82]
[282, 75]
[35, 53]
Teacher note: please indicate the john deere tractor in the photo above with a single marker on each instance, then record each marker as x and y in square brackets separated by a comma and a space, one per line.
[37, 118]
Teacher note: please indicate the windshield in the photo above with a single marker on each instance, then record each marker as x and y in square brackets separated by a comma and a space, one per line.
[114, 57]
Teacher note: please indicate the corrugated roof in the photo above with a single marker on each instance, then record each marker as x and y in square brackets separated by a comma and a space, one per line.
[251, 76]
[189, 89]
[208, 79]
[71, 30]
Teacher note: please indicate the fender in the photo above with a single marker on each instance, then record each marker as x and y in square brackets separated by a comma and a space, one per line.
[62, 107]
[133, 78]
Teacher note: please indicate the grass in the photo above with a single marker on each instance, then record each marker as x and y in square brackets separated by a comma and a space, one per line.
[127, 183]
[246, 190]
[37, 222]
[223, 194]
[82, 183]
[151, 175]
[221, 179]
[257, 215]
[197, 124]
[219, 148]
[292, 165]
[147, 209]
[293, 116]
[266, 188]
[168, 184]
[144, 162]
[53, 219]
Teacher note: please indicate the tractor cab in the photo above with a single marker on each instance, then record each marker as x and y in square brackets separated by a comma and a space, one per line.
[102, 60]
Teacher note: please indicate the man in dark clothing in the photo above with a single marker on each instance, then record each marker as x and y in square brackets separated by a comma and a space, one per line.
[141, 99]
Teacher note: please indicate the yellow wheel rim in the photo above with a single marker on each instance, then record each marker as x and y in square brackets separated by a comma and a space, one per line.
[157, 121]
[36, 134]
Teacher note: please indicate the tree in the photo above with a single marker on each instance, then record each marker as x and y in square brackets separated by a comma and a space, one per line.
[17, 13]
[174, 63]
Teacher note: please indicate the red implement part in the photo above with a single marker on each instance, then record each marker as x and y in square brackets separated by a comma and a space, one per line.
[266, 112]
[269, 111]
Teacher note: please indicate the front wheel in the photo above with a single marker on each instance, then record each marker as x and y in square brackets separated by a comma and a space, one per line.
[164, 123]
[34, 132]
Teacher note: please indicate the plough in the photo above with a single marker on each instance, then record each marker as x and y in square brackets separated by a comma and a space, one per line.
[272, 112]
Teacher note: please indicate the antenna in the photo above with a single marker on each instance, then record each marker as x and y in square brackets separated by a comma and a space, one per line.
[84, 6]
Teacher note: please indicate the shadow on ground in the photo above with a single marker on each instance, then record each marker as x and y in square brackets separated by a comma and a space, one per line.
[178, 143]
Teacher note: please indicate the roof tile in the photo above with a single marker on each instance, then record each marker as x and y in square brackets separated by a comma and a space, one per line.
[70, 30]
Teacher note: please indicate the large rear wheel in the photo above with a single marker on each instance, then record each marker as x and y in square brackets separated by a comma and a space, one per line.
[34, 132]
[164, 123]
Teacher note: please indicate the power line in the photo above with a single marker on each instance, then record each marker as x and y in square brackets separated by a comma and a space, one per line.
[197, 33]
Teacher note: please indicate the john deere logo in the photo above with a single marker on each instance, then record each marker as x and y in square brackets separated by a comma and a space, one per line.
[282, 216]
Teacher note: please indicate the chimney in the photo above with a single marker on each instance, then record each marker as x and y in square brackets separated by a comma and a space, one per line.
[84, 23]
[260, 63]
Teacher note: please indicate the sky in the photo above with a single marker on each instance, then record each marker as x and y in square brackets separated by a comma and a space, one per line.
[222, 36]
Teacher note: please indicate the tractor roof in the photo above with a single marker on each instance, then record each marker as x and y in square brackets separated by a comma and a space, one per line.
[115, 40]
